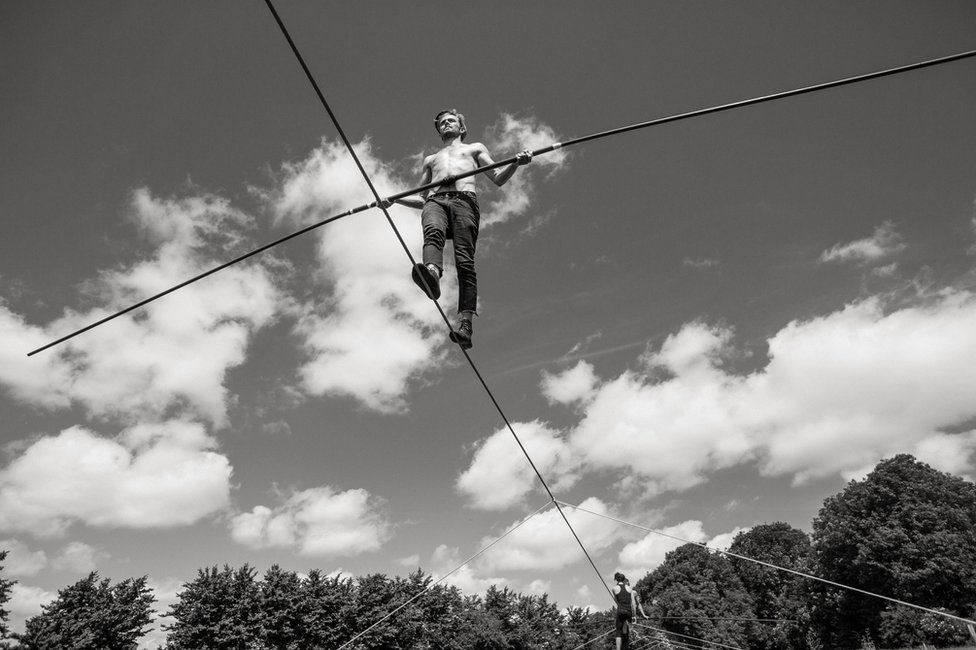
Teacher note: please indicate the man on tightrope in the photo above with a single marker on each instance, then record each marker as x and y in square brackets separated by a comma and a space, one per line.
[451, 211]
[627, 604]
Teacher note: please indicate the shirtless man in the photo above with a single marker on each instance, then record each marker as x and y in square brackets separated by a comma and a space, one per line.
[451, 211]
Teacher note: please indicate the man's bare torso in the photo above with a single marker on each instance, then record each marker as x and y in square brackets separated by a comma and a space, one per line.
[456, 158]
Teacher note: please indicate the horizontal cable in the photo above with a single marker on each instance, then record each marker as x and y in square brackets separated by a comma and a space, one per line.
[773, 566]
[537, 152]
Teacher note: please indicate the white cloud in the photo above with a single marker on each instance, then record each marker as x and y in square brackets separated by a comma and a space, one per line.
[78, 557]
[370, 331]
[166, 591]
[21, 561]
[150, 476]
[447, 558]
[863, 379]
[25, 602]
[505, 138]
[545, 542]
[499, 475]
[316, 522]
[538, 587]
[883, 242]
[700, 264]
[723, 541]
[571, 385]
[174, 352]
[647, 553]
[410, 561]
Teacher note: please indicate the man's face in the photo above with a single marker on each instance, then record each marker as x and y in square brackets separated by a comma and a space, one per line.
[448, 124]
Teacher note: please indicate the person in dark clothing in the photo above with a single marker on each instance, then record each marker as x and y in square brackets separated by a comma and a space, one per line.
[628, 603]
[451, 211]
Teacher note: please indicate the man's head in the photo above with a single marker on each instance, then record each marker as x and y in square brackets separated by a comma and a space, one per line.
[450, 119]
[619, 577]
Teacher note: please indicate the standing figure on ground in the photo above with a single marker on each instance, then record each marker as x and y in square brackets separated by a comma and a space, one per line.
[627, 604]
[451, 211]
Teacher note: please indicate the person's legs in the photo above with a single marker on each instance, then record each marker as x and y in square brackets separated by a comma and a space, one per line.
[434, 221]
[466, 218]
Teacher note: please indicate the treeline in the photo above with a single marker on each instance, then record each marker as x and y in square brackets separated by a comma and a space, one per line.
[906, 531]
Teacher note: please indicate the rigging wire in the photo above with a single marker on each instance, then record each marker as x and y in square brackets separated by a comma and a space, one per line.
[773, 566]
[538, 152]
[685, 636]
[445, 576]
[596, 638]
[440, 310]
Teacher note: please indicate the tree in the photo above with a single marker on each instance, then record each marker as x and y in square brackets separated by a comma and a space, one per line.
[92, 615]
[328, 611]
[775, 594]
[701, 587]
[282, 609]
[219, 610]
[906, 531]
[6, 586]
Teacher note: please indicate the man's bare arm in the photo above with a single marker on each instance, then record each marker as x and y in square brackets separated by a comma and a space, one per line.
[412, 202]
[499, 178]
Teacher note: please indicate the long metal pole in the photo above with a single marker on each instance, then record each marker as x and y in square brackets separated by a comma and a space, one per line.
[508, 161]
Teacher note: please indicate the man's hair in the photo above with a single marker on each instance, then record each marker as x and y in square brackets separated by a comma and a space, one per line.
[619, 577]
[454, 112]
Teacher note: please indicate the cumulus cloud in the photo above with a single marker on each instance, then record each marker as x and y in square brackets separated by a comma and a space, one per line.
[172, 353]
[316, 522]
[499, 475]
[21, 561]
[467, 578]
[25, 602]
[369, 332]
[871, 381]
[507, 136]
[149, 476]
[78, 557]
[545, 542]
[571, 385]
[885, 241]
[166, 591]
[723, 541]
[700, 264]
[649, 552]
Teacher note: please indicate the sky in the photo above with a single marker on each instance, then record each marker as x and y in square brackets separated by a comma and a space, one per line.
[698, 327]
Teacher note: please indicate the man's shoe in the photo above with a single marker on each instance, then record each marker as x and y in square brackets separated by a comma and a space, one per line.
[462, 335]
[426, 280]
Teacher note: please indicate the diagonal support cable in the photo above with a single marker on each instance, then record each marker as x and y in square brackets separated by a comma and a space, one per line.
[406, 249]
[773, 566]
[538, 152]
[445, 576]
